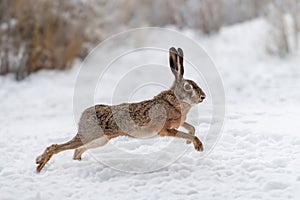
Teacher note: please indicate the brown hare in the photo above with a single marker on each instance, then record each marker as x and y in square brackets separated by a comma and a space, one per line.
[162, 115]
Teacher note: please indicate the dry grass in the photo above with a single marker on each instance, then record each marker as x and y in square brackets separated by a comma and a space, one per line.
[38, 35]
[283, 35]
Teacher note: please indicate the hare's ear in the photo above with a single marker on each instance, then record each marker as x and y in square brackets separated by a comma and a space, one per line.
[173, 59]
[180, 61]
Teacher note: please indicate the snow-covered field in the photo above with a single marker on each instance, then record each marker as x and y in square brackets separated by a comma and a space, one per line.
[257, 157]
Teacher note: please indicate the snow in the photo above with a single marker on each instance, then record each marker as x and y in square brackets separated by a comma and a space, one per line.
[257, 157]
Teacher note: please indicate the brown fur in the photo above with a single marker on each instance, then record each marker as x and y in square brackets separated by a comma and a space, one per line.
[162, 115]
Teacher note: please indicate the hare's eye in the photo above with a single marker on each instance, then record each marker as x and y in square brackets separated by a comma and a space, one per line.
[187, 87]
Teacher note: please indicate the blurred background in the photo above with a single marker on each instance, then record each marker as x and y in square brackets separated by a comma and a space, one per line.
[45, 34]
[254, 45]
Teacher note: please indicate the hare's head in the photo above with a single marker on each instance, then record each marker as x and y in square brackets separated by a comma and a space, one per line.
[185, 90]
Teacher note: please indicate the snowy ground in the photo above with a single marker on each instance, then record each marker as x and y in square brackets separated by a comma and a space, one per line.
[257, 157]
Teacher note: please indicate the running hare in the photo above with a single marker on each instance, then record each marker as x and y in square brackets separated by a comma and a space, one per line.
[161, 115]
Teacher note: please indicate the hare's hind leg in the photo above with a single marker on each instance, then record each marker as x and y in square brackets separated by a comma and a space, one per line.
[54, 149]
[91, 145]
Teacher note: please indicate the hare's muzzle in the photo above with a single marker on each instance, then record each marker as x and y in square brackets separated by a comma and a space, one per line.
[202, 97]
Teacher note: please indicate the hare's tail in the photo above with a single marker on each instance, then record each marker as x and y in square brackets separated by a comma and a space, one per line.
[55, 149]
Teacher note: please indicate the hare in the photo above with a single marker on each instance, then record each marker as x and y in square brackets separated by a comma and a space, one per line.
[162, 115]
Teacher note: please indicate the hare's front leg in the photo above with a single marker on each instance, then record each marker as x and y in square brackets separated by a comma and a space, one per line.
[190, 129]
[179, 134]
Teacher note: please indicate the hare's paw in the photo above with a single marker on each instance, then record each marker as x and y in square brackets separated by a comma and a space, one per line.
[41, 161]
[198, 144]
[77, 154]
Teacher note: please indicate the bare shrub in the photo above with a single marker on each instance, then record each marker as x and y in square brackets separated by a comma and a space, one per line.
[211, 16]
[236, 11]
[38, 35]
[294, 6]
[283, 33]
